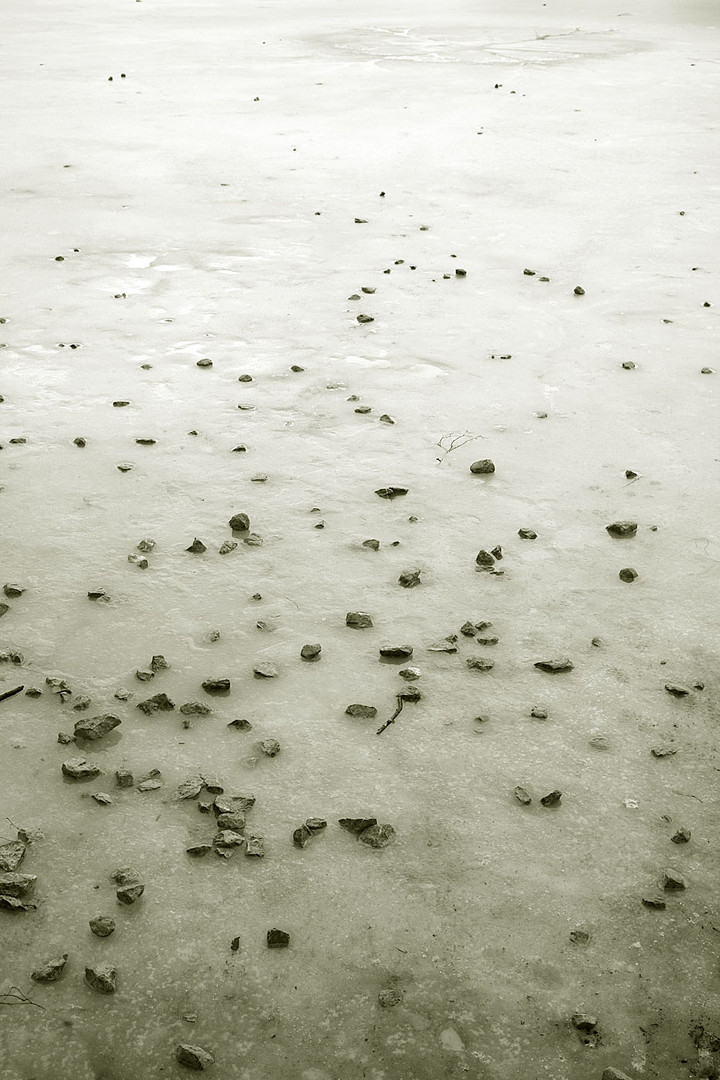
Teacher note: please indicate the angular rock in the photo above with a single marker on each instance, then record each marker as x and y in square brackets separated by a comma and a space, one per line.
[195, 708]
[447, 645]
[483, 467]
[128, 894]
[579, 937]
[628, 574]
[539, 712]
[146, 544]
[216, 686]
[96, 727]
[527, 534]
[253, 540]
[144, 675]
[676, 690]
[682, 836]
[15, 884]
[479, 663]
[409, 579]
[277, 939]
[103, 798]
[584, 1022]
[124, 778]
[269, 747]
[125, 875]
[356, 825]
[82, 703]
[102, 977]
[374, 545]
[468, 629]
[158, 663]
[197, 547]
[79, 769]
[12, 591]
[673, 881]
[228, 838]
[391, 492]
[157, 703]
[193, 1057]
[359, 620]
[11, 855]
[555, 666]
[51, 970]
[189, 789]
[484, 558]
[226, 547]
[204, 363]
[102, 925]
[614, 1074]
[377, 836]
[64, 738]
[302, 836]
[365, 318]
[402, 651]
[255, 846]
[553, 799]
[198, 850]
[410, 673]
[311, 652]
[622, 529]
[240, 725]
[4, 608]
[138, 560]
[266, 670]
[233, 820]
[99, 594]
[122, 694]
[361, 712]
[522, 796]
[239, 523]
[388, 999]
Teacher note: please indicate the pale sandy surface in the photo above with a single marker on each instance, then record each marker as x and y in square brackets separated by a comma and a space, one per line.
[210, 224]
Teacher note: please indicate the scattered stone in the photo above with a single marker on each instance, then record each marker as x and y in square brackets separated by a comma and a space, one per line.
[527, 534]
[51, 970]
[479, 663]
[4, 608]
[676, 690]
[706, 371]
[614, 1074]
[484, 558]
[259, 478]
[255, 846]
[197, 547]
[245, 378]
[269, 747]
[391, 492]
[460, 273]
[482, 467]
[239, 523]
[359, 620]
[11, 855]
[628, 365]
[102, 977]
[302, 836]
[487, 639]
[195, 708]
[159, 663]
[228, 838]
[522, 796]
[579, 937]
[552, 799]
[226, 547]
[365, 319]
[409, 579]
[311, 652]
[124, 778]
[539, 712]
[128, 894]
[125, 875]
[446, 645]
[204, 363]
[663, 751]
[64, 738]
[159, 702]
[16, 885]
[361, 712]
[120, 404]
[622, 529]
[277, 939]
[122, 694]
[103, 798]
[138, 560]
[628, 574]
[214, 635]
[189, 789]
[266, 671]
[198, 850]
[554, 666]
[126, 466]
[377, 836]
[357, 825]
[102, 925]
[230, 804]
[240, 725]
[468, 629]
[579, 291]
[600, 742]
[682, 836]
[146, 442]
[149, 785]
[33, 692]
[673, 881]
[385, 419]
[241, 448]
[253, 540]
[13, 591]
[213, 785]
[80, 441]
[79, 769]
[655, 902]
[363, 409]
[99, 594]
[96, 727]
[193, 1057]
[233, 820]
[82, 703]
[410, 674]
[405, 651]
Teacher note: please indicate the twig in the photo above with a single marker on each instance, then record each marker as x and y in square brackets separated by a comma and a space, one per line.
[18, 998]
[687, 795]
[455, 442]
[11, 693]
[393, 717]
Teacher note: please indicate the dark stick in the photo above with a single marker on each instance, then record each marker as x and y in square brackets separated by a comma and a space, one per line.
[392, 718]
[11, 693]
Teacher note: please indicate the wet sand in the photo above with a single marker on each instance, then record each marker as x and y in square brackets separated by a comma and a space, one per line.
[182, 182]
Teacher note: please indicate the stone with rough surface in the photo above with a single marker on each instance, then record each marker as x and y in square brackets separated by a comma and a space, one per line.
[193, 1057]
[102, 977]
[96, 727]
[51, 970]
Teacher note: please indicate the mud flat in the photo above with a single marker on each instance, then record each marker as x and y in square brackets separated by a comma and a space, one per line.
[360, 542]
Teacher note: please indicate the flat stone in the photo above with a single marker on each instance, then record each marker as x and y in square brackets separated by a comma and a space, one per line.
[79, 769]
[665, 750]
[125, 875]
[96, 727]
[361, 712]
[102, 798]
[482, 467]
[128, 894]
[193, 1057]
[655, 902]
[253, 540]
[51, 970]
[555, 666]
[522, 796]
[144, 675]
[446, 645]
[195, 708]
[216, 686]
[81, 703]
[676, 689]
[198, 850]
[102, 925]
[359, 620]
[213, 784]
[159, 702]
[377, 836]
[149, 785]
[102, 977]
[386, 419]
[479, 663]
[614, 1074]
[277, 939]
[311, 652]
[622, 529]
[356, 825]
[527, 534]
[11, 855]
[126, 466]
[266, 670]
[391, 492]
[204, 363]
[401, 651]
[487, 639]
[189, 789]
[673, 881]
[15, 884]
[553, 799]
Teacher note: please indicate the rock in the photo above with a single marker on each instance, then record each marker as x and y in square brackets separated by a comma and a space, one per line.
[311, 652]
[33, 692]
[124, 778]
[483, 467]
[628, 365]
[159, 663]
[539, 712]
[269, 747]
[82, 703]
[204, 363]
[484, 558]
[374, 545]
[99, 594]
[388, 999]
[122, 694]
[239, 522]
[266, 671]
[15, 884]
[103, 798]
[157, 703]
[405, 651]
[128, 894]
[584, 1022]
[579, 291]
[189, 789]
[138, 560]
[146, 442]
[195, 708]
[579, 937]
[197, 547]
[277, 939]
[706, 371]
[11, 855]
[391, 492]
[673, 881]
[479, 663]
[359, 620]
[621, 529]
[245, 378]
[409, 579]
[522, 796]
[126, 466]
[253, 540]
[79, 769]
[216, 686]
[80, 441]
[102, 977]
[51, 970]
[149, 785]
[365, 318]
[4, 608]
[487, 639]
[213, 785]
[450, 1040]
[377, 836]
[233, 820]
[12, 591]
[460, 273]
[554, 666]
[385, 419]
[198, 850]
[363, 409]
[599, 742]
[356, 825]
[676, 690]
[446, 645]
[663, 751]
[553, 799]
[410, 674]
[468, 629]
[102, 925]
[240, 725]
[302, 836]
[361, 712]
[255, 846]
[628, 574]
[497, 552]
[614, 1074]
[527, 534]
[193, 1057]
[96, 727]
[228, 838]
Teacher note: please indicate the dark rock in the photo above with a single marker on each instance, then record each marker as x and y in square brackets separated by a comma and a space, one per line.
[233, 820]
[4, 608]
[216, 686]
[391, 492]
[539, 712]
[554, 666]
[146, 442]
[388, 999]
[240, 725]
[706, 371]
[226, 547]
[197, 547]
[269, 747]
[120, 404]
[128, 894]
[193, 1057]
[144, 676]
[245, 378]
[198, 850]
[487, 639]
[385, 419]
[253, 540]
[311, 652]
[204, 363]
[239, 523]
[65, 738]
[11, 855]
[266, 627]
[460, 273]
[553, 799]
[482, 467]
[497, 552]
[628, 574]
[479, 663]
[228, 838]
[146, 545]
[15, 884]
[409, 693]
[356, 825]
[79, 769]
[241, 448]
[484, 558]
[277, 939]
[126, 466]
[12, 903]
[102, 925]
[302, 836]
[579, 291]
[363, 409]
[51, 970]
[361, 712]
[255, 846]
[316, 824]
[676, 690]
[404, 651]
[95, 727]
[468, 629]
[579, 937]
[157, 703]
[628, 365]
[33, 692]
[365, 319]
[527, 534]
[374, 545]
[99, 594]
[13, 591]
[409, 579]
[663, 751]
[622, 529]
[266, 671]
[159, 663]
[377, 836]
[296, 368]
[125, 875]
[82, 703]
[195, 708]
[213, 785]
[359, 620]
[102, 977]
[681, 836]
[673, 881]
[522, 796]
[124, 778]
[80, 441]
[530, 273]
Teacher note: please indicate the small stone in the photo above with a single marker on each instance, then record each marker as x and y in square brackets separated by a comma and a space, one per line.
[447, 645]
[301, 837]
[391, 492]
[269, 747]
[259, 478]
[410, 674]
[460, 273]
[673, 881]
[240, 725]
[197, 851]
[226, 547]
[479, 663]
[253, 540]
[614, 1074]
[102, 977]
[64, 738]
[409, 579]
[628, 574]
[128, 894]
[126, 466]
[552, 799]
[159, 663]
[11, 855]
[377, 836]
[99, 594]
[363, 409]
[385, 419]
[255, 846]
[33, 692]
[233, 820]
[497, 552]
[189, 789]
[213, 785]
[388, 999]
[193, 1057]
[628, 365]
[149, 785]
[138, 560]
[51, 970]
[539, 712]
[103, 798]
[361, 712]
[79, 769]
[204, 363]
[195, 708]
[482, 467]
[706, 371]
[266, 671]
[655, 902]
[468, 629]
[124, 778]
[359, 620]
[530, 273]
[102, 925]
[216, 686]
[484, 558]
[245, 378]
[403, 651]
[579, 291]
[527, 534]
[676, 690]
[146, 442]
[277, 939]
[522, 796]
[125, 875]
[487, 639]
[296, 367]
[12, 591]
[599, 742]
[228, 838]
[554, 666]
[146, 545]
[630, 474]
[197, 547]
[144, 675]
[239, 523]
[682, 836]
[621, 529]
[241, 448]
[579, 937]
[311, 652]
[584, 1022]
[80, 441]
[120, 404]
[365, 319]
[159, 702]
[356, 825]
[663, 751]
[82, 703]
